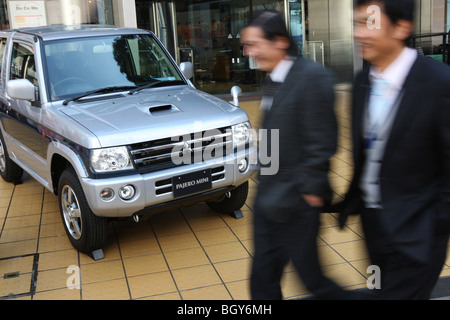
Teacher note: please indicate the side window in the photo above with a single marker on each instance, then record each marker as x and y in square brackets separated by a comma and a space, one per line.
[2, 51]
[23, 65]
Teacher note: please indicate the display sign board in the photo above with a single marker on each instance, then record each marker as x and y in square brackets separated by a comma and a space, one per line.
[24, 14]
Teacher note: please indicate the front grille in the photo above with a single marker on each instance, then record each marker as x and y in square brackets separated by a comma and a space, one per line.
[160, 154]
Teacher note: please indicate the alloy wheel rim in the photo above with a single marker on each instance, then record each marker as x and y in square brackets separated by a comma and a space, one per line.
[71, 212]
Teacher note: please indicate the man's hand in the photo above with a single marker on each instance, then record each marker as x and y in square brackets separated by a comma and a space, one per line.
[313, 201]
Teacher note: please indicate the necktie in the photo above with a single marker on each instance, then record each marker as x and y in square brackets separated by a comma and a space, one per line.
[379, 102]
[378, 110]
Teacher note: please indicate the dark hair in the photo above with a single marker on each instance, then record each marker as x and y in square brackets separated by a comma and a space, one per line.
[394, 9]
[273, 24]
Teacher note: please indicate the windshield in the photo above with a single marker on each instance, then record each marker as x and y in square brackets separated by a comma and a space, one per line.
[79, 65]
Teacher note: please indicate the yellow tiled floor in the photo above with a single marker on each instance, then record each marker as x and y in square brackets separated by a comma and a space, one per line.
[192, 253]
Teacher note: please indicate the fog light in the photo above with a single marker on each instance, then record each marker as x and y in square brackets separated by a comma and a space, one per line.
[127, 192]
[107, 194]
[243, 165]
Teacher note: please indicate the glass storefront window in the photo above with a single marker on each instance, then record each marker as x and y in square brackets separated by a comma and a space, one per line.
[4, 20]
[19, 14]
[296, 23]
[209, 36]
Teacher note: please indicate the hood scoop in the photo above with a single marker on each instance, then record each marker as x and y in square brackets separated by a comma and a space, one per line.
[163, 109]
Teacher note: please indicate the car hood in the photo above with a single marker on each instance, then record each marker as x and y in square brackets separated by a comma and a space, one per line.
[152, 114]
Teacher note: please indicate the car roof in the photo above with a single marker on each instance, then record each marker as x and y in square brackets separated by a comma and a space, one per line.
[75, 31]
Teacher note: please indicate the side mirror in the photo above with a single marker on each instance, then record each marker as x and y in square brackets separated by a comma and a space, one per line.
[21, 89]
[236, 92]
[188, 69]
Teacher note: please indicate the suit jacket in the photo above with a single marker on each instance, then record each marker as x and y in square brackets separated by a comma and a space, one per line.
[414, 177]
[303, 112]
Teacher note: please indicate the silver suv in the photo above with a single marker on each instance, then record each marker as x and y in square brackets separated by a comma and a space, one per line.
[104, 118]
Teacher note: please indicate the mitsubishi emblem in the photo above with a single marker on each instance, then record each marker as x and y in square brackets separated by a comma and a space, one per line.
[186, 148]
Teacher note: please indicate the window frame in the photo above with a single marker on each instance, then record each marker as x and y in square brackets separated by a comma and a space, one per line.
[24, 73]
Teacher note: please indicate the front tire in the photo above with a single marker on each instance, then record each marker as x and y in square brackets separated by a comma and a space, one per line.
[86, 231]
[235, 201]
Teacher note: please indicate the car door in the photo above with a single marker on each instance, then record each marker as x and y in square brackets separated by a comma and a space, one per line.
[25, 135]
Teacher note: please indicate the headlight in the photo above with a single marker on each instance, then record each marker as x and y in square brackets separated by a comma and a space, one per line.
[110, 159]
[242, 134]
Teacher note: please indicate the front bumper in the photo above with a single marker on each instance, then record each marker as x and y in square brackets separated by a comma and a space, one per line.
[154, 190]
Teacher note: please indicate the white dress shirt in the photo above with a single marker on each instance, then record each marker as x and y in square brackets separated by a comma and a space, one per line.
[281, 71]
[394, 77]
[382, 107]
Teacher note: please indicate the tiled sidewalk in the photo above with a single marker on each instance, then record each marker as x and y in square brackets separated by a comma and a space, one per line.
[192, 253]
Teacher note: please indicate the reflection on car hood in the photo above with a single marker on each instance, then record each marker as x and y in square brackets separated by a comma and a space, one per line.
[153, 114]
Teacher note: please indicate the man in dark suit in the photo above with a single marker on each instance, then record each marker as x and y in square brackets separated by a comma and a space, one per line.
[401, 152]
[300, 124]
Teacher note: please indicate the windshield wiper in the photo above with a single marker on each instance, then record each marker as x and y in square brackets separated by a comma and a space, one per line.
[157, 83]
[102, 90]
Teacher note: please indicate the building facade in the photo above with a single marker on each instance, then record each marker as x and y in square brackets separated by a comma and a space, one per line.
[207, 32]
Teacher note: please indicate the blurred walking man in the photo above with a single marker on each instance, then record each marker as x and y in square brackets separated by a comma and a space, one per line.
[298, 103]
[401, 146]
